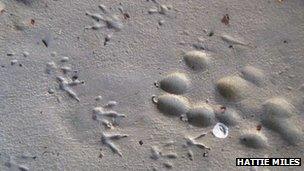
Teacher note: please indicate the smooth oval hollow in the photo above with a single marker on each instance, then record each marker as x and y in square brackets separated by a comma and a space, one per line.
[278, 107]
[201, 115]
[233, 87]
[197, 60]
[176, 83]
[253, 140]
[286, 128]
[254, 75]
[229, 117]
[172, 104]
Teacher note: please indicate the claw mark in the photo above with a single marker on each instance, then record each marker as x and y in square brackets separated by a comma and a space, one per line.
[190, 154]
[107, 123]
[96, 26]
[110, 21]
[170, 155]
[64, 85]
[75, 82]
[111, 104]
[14, 166]
[107, 140]
[99, 111]
[193, 142]
[156, 153]
[103, 8]
[200, 136]
[234, 41]
[96, 17]
[168, 165]
[50, 66]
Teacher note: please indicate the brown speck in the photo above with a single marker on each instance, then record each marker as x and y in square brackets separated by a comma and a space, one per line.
[94, 117]
[211, 34]
[44, 42]
[107, 39]
[100, 156]
[126, 16]
[141, 142]
[32, 22]
[259, 127]
[225, 19]
[75, 77]
[223, 109]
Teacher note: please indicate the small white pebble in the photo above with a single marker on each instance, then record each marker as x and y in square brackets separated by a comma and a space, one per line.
[26, 54]
[13, 62]
[51, 91]
[10, 54]
[153, 10]
[289, 88]
[103, 7]
[66, 69]
[64, 59]
[98, 98]
[2, 6]
[53, 54]
[111, 104]
[163, 9]
[161, 22]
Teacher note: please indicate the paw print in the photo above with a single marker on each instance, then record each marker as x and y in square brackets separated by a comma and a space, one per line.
[238, 88]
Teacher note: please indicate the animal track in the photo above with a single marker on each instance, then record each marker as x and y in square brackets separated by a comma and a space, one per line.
[103, 114]
[197, 60]
[110, 21]
[157, 154]
[61, 74]
[192, 141]
[12, 165]
[233, 88]
[107, 140]
[277, 112]
[276, 116]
